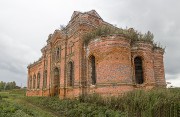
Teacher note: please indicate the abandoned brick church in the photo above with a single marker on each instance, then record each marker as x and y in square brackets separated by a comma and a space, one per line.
[90, 55]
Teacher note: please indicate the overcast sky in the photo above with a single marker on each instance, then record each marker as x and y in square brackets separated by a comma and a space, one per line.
[26, 24]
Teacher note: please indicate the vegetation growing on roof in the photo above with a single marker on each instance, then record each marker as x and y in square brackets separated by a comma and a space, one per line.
[130, 33]
[158, 46]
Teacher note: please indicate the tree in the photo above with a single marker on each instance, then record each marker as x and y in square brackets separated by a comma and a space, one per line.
[2, 84]
[8, 85]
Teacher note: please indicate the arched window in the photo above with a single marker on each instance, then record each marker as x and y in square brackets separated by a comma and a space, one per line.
[30, 82]
[45, 62]
[56, 76]
[45, 79]
[93, 70]
[70, 74]
[34, 81]
[56, 81]
[138, 70]
[54, 55]
[38, 80]
[58, 53]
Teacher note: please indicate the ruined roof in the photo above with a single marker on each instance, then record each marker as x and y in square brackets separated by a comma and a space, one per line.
[75, 14]
[92, 12]
[79, 15]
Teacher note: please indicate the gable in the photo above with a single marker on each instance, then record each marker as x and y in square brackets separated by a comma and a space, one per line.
[74, 14]
[94, 13]
[57, 36]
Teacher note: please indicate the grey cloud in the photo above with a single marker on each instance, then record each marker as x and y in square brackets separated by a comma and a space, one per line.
[25, 25]
[7, 76]
[160, 17]
[14, 58]
[13, 67]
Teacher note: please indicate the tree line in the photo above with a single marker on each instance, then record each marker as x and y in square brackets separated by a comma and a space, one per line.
[8, 85]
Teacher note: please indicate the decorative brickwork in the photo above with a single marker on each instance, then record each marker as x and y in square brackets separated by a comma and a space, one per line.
[109, 64]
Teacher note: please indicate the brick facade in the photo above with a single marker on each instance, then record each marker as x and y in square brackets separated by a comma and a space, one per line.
[106, 65]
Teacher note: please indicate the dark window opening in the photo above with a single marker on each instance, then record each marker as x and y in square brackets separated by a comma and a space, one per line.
[93, 69]
[70, 74]
[53, 55]
[71, 49]
[56, 76]
[38, 80]
[30, 82]
[57, 54]
[138, 70]
[46, 62]
[56, 81]
[34, 81]
[45, 79]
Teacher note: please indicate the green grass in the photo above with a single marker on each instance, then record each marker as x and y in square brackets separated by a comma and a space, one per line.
[165, 102]
[73, 108]
[156, 102]
[12, 104]
[18, 105]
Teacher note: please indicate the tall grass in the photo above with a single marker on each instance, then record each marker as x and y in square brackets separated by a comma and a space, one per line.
[13, 105]
[140, 103]
[73, 108]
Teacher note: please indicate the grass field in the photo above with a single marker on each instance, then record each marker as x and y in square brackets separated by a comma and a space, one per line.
[12, 104]
[154, 103]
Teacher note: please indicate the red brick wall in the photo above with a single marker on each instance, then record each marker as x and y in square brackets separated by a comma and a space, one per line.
[114, 59]
[144, 50]
[159, 67]
[113, 65]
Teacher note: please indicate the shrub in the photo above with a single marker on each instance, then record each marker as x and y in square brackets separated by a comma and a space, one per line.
[130, 33]
[140, 102]
[70, 108]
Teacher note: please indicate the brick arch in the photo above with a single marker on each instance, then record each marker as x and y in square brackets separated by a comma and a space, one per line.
[139, 55]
